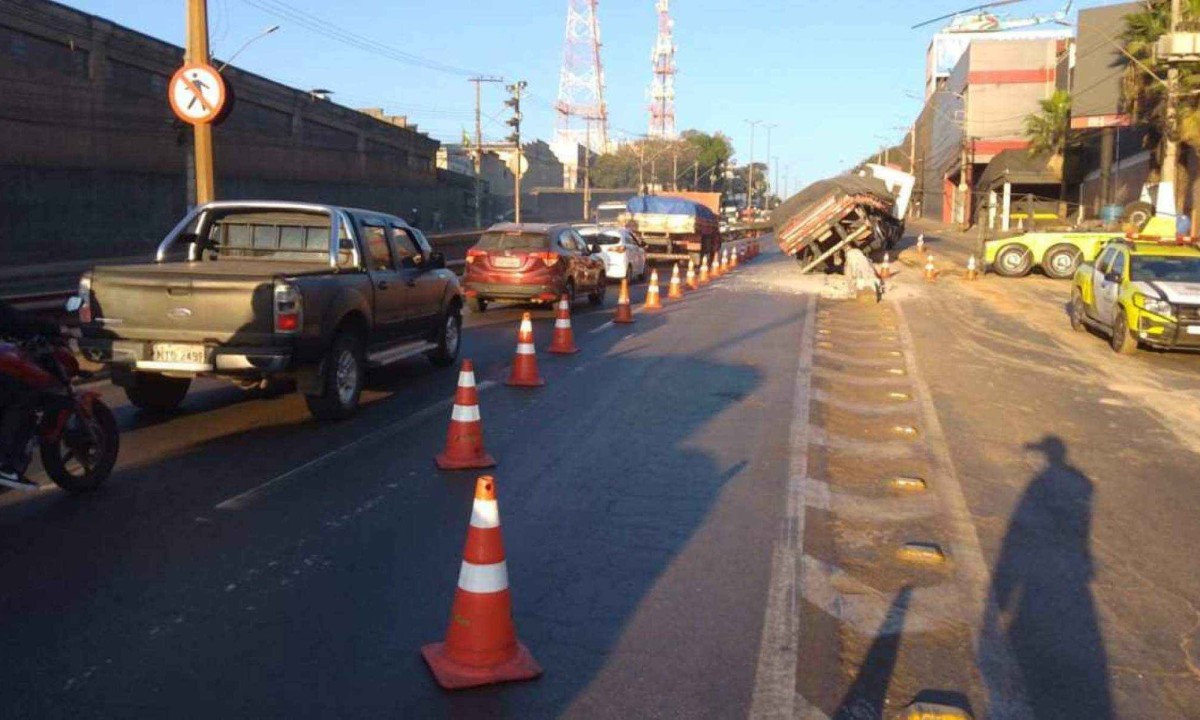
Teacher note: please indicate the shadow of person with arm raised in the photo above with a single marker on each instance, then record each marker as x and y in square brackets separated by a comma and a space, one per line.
[1041, 591]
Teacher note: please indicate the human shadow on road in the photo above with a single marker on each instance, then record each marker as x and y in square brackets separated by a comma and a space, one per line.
[1040, 590]
[865, 698]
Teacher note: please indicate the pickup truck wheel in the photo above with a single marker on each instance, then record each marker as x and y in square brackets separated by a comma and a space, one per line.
[569, 291]
[341, 379]
[1076, 311]
[478, 304]
[596, 297]
[1013, 261]
[1122, 341]
[449, 338]
[156, 393]
[1061, 261]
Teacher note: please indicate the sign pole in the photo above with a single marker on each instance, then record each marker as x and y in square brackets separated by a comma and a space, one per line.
[197, 52]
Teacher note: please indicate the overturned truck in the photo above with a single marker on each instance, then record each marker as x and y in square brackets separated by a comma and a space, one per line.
[822, 221]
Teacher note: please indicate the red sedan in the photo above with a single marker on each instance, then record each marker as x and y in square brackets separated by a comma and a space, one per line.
[532, 262]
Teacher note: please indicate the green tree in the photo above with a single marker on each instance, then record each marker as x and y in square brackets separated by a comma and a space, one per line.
[1048, 132]
[696, 161]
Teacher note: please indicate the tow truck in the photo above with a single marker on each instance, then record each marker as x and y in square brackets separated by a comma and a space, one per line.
[1141, 290]
[1058, 253]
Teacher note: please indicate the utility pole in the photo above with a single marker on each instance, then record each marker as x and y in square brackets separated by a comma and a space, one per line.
[696, 175]
[197, 52]
[767, 169]
[642, 167]
[587, 172]
[750, 169]
[674, 167]
[478, 80]
[912, 151]
[515, 122]
[1165, 202]
[777, 188]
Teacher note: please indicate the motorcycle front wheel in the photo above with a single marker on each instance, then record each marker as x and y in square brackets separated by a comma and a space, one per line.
[84, 454]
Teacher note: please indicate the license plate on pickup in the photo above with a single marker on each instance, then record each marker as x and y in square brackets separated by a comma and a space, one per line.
[1193, 329]
[506, 262]
[180, 354]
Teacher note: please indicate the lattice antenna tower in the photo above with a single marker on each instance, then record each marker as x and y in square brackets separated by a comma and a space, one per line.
[662, 89]
[582, 114]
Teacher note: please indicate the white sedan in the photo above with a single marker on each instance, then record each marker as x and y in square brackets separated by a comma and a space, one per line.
[622, 250]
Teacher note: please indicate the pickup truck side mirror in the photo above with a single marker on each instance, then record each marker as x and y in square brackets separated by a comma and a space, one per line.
[436, 261]
[594, 249]
[1114, 277]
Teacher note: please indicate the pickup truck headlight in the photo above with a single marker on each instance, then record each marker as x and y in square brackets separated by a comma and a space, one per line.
[1154, 305]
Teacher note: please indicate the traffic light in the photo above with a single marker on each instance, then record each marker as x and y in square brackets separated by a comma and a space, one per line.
[515, 103]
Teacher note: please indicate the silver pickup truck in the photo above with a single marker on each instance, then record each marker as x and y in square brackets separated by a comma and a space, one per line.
[256, 291]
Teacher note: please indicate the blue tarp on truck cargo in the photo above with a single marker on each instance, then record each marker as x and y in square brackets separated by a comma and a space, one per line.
[663, 205]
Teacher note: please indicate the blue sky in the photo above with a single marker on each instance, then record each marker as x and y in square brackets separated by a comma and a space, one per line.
[834, 76]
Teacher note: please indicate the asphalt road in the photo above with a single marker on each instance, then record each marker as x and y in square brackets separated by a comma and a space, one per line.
[246, 561]
[701, 515]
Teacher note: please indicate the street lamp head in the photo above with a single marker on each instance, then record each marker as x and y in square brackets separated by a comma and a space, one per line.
[320, 93]
[270, 30]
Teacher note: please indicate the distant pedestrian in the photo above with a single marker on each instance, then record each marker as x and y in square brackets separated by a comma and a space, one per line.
[414, 218]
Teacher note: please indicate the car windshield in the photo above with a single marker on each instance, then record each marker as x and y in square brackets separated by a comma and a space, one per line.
[513, 241]
[1149, 268]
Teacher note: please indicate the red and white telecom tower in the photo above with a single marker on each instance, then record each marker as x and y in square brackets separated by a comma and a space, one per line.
[662, 89]
[582, 114]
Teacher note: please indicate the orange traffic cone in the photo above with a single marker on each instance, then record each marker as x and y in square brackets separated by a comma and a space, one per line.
[653, 300]
[704, 270]
[481, 646]
[524, 369]
[464, 440]
[921, 243]
[624, 312]
[563, 342]
[733, 257]
[690, 278]
[722, 264]
[885, 268]
[972, 270]
[930, 269]
[675, 289]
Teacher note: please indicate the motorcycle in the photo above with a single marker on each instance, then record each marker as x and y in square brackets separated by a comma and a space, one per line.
[75, 431]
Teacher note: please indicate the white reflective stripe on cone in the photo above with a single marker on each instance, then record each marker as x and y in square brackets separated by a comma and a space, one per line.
[562, 323]
[483, 578]
[465, 413]
[466, 379]
[525, 349]
[526, 326]
[564, 305]
[485, 514]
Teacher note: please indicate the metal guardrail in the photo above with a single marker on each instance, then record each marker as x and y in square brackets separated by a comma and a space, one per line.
[38, 290]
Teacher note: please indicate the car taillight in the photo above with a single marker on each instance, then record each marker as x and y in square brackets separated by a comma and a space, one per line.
[550, 258]
[85, 299]
[619, 249]
[472, 254]
[289, 308]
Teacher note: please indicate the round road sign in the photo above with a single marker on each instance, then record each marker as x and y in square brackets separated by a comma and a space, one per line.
[197, 93]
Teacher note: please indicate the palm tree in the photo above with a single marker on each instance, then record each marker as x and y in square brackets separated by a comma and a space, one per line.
[1048, 132]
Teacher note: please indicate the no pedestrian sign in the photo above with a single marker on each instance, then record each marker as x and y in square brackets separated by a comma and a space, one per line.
[197, 93]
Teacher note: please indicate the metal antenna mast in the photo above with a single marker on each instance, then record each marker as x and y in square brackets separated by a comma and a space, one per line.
[581, 81]
[662, 89]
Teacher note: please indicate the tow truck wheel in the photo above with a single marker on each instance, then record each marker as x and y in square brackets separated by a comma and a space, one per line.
[1061, 261]
[1013, 261]
[1076, 311]
[1122, 341]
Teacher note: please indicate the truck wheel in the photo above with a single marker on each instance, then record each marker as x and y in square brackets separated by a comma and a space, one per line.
[341, 379]
[1122, 341]
[1013, 261]
[478, 304]
[1061, 261]
[449, 338]
[596, 297]
[1076, 311]
[1138, 213]
[156, 393]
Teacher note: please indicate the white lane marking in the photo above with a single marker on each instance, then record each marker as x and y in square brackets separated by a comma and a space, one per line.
[483, 578]
[1001, 676]
[485, 514]
[775, 693]
[241, 500]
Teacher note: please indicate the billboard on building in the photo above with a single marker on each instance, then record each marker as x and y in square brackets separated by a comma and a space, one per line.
[947, 48]
[1100, 68]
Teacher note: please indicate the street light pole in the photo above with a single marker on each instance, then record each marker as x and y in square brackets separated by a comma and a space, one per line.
[245, 45]
[767, 170]
[478, 80]
[1165, 202]
[750, 169]
[197, 52]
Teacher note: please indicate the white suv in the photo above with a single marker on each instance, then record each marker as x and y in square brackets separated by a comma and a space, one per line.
[622, 250]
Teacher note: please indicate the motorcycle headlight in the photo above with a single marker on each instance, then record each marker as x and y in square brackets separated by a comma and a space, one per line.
[1154, 305]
